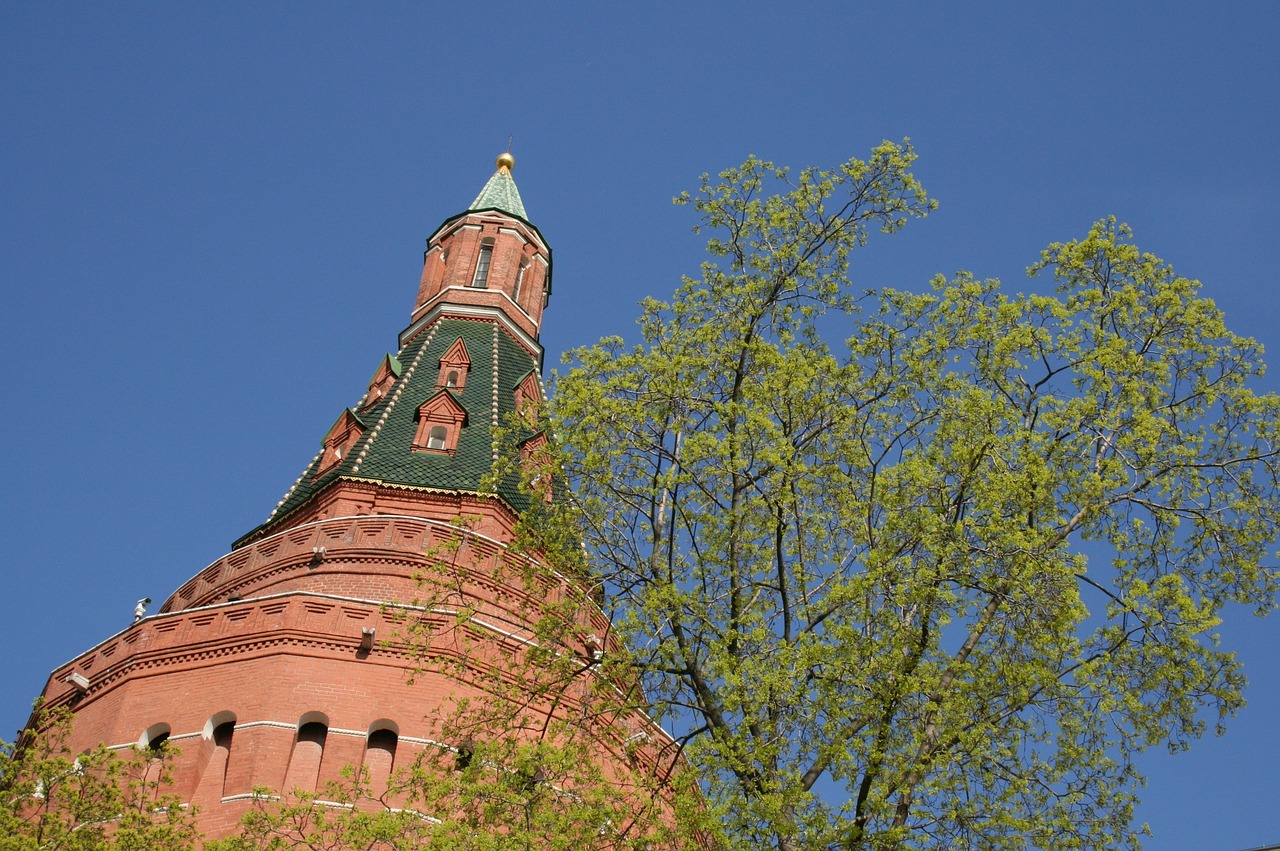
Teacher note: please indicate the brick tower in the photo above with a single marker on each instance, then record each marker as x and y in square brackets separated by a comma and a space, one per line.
[285, 660]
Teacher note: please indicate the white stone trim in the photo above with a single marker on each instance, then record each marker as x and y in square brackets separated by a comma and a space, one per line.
[472, 310]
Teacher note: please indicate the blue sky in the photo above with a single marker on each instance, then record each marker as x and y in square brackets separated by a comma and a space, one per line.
[212, 221]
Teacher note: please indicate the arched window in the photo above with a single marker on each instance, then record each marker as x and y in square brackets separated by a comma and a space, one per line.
[440, 423]
[342, 435]
[480, 279]
[218, 732]
[380, 755]
[308, 748]
[454, 364]
[515, 291]
[385, 376]
[154, 737]
[528, 395]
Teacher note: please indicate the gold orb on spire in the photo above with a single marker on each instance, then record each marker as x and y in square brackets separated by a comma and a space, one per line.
[505, 160]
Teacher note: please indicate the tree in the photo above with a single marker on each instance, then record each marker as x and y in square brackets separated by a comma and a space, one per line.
[509, 796]
[544, 753]
[54, 800]
[936, 586]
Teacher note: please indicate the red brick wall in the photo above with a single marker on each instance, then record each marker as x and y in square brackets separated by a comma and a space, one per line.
[513, 242]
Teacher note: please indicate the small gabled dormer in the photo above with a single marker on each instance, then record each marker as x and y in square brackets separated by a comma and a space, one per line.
[385, 376]
[342, 435]
[440, 422]
[535, 458]
[528, 395]
[454, 365]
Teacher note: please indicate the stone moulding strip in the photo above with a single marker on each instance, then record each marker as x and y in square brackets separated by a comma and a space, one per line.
[473, 312]
[285, 725]
[324, 640]
[333, 805]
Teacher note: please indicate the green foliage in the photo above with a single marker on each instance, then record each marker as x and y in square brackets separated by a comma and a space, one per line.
[935, 587]
[508, 794]
[54, 800]
[531, 751]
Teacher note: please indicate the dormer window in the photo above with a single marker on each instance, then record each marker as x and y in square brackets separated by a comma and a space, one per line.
[454, 365]
[528, 395]
[481, 278]
[338, 442]
[385, 376]
[440, 422]
[535, 457]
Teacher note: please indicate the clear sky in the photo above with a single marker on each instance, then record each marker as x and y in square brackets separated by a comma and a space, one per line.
[212, 219]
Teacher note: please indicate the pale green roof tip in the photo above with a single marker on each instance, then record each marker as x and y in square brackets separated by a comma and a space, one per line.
[500, 193]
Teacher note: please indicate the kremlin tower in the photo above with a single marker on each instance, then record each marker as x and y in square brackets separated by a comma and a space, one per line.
[384, 588]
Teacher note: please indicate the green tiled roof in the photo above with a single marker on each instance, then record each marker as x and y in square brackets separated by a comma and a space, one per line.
[500, 193]
[383, 453]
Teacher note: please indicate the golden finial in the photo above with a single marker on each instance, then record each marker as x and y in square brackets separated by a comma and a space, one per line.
[506, 161]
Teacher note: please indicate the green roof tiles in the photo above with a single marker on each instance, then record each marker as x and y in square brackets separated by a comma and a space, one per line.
[387, 418]
[384, 452]
[500, 193]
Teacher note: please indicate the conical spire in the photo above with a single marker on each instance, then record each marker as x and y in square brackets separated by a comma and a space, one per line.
[426, 422]
[500, 193]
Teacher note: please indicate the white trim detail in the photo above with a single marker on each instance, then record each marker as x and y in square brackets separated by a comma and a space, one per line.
[282, 725]
[249, 796]
[470, 310]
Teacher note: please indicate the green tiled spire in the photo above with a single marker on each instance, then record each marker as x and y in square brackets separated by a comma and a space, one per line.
[383, 453]
[378, 442]
[500, 192]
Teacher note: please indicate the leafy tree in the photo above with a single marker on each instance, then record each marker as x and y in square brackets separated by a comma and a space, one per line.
[550, 755]
[54, 800]
[935, 586]
[509, 796]
[938, 585]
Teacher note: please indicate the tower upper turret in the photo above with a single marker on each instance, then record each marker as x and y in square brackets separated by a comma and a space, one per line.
[488, 260]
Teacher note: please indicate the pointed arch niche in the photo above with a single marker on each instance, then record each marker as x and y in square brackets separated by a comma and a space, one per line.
[454, 365]
[440, 422]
